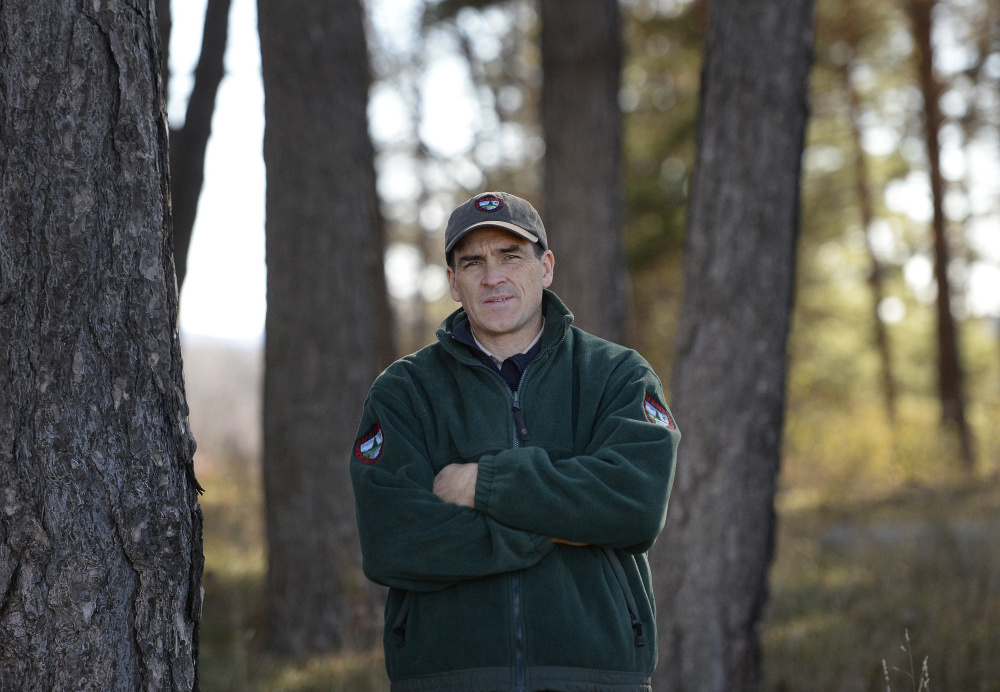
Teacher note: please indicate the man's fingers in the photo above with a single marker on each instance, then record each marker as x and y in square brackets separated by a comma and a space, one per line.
[456, 483]
[565, 542]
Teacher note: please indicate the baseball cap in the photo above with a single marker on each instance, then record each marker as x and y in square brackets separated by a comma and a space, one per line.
[497, 209]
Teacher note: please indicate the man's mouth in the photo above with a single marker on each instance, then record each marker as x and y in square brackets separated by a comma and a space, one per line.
[498, 300]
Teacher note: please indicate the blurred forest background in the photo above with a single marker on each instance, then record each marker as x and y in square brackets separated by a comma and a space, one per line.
[888, 502]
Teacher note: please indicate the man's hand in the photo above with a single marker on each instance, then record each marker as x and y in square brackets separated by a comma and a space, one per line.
[456, 483]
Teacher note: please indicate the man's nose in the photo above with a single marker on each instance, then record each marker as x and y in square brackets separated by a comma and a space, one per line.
[494, 274]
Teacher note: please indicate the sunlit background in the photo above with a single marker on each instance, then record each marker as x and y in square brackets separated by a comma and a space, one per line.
[224, 293]
[876, 533]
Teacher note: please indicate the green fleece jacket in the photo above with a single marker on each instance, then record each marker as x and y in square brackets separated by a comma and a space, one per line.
[481, 599]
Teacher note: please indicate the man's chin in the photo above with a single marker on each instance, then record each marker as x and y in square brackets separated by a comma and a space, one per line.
[500, 317]
[498, 327]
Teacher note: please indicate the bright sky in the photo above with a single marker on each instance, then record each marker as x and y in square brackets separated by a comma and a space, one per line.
[224, 292]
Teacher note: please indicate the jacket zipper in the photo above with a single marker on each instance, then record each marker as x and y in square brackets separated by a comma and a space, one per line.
[520, 672]
[520, 434]
[520, 682]
[520, 429]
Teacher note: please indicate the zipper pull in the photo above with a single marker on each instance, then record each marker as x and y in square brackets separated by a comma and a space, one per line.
[637, 626]
[522, 429]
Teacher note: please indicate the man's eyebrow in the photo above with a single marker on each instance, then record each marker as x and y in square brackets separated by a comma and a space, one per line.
[467, 258]
[508, 249]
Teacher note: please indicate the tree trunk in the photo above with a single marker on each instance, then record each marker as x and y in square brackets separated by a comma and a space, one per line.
[582, 195]
[100, 529]
[863, 187]
[189, 143]
[729, 374]
[951, 378]
[327, 326]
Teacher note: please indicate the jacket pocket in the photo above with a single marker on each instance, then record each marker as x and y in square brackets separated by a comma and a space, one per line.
[399, 623]
[633, 610]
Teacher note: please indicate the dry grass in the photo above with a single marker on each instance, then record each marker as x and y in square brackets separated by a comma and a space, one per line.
[876, 541]
[233, 634]
[849, 581]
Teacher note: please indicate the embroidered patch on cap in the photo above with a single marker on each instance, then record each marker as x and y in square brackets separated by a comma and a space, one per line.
[369, 448]
[656, 413]
[489, 203]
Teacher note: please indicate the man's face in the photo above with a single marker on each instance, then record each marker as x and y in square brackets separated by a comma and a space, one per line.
[499, 281]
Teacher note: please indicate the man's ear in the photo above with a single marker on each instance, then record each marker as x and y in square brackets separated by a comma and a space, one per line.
[548, 261]
[451, 285]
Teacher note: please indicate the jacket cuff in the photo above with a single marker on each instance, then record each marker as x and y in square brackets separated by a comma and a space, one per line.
[544, 545]
[484, 483]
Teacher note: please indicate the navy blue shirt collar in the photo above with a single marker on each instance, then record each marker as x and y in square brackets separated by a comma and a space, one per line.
[511, 369]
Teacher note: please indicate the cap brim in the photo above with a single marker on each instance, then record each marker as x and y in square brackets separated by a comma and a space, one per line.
[517, 230]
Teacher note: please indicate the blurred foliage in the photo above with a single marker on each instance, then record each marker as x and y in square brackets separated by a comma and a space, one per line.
[660, 84]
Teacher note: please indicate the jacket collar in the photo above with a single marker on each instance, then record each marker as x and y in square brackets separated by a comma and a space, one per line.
[557, 321]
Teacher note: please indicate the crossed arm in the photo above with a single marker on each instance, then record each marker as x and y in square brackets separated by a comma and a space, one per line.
[456, 483]
[504, 511]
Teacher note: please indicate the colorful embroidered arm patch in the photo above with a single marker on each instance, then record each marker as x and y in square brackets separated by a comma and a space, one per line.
[657, 413]
[368, 449]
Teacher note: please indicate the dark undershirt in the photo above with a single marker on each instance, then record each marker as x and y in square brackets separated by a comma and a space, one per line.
[511, 369]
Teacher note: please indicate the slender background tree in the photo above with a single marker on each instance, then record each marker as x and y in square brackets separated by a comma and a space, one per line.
[582, 191]
[729, 372]
[189, 142]
[876, 274]
[100, 529]
[950, 374]
[327, 332]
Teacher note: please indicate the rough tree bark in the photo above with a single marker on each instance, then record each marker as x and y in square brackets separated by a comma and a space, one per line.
[100, 529]
[327, 326]
[582, 195]
[951, 377]
[189, 143]
[728, 391]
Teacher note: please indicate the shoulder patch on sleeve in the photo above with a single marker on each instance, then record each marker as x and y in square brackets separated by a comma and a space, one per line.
[657, 413]
[368, 449]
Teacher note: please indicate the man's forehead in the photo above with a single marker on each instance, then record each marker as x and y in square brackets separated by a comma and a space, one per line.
[490, 236]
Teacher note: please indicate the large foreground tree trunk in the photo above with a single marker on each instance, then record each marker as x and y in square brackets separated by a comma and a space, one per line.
[582, 195]
[729, 375]
[328, 318]
[100, 529]
[951, 377]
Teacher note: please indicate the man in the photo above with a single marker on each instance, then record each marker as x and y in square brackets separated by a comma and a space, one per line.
[509, 480]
